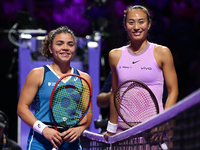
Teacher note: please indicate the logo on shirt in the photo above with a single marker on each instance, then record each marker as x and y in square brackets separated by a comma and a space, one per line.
[146, 68]
[129, 67]
[134, 62]
[76, 78]
[51, 83]
[125, 67]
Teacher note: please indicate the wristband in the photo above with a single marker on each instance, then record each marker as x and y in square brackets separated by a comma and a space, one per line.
[112, 127]
[38, 127]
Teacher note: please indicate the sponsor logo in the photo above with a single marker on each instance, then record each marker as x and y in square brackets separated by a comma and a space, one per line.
[64, 119]
[76, 78]
[125, 67]
[51, 83]
[129, 67]
[146, 68]
[134, 62]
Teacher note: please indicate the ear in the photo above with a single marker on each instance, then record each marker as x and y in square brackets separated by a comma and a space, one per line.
[149, 25]
[50, 49]
[125, 27]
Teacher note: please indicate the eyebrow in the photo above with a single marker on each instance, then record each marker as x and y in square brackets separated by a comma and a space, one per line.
[63, 41]
[71, 42]
[134, 19]
[59, 41]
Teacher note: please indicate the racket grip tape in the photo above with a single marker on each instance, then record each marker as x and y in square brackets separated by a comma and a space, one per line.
[111, 127]
[164, 146]
[54, 148]
[38, 127]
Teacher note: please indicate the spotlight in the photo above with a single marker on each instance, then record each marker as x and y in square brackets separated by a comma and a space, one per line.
[93, 40]
[92, 44]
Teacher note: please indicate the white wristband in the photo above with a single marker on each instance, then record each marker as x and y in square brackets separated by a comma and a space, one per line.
[112, 127]
[38, 127]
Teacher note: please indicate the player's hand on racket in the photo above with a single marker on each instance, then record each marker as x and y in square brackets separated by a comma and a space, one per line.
[72, 134]
[69, 103]
[107, 135]
[156, 136]
[53, 136]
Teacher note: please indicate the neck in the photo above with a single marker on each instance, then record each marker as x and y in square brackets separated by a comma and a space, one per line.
[138, 47]
[61, 69]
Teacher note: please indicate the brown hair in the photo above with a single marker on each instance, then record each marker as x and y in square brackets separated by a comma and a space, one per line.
[49, 38]
[45, 49]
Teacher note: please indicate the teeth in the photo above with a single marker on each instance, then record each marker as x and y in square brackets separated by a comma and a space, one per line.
[137, 33]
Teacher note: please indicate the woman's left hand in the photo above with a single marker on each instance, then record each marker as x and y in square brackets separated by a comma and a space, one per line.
[72, 134]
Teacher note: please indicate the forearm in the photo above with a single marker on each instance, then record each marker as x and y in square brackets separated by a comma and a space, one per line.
[85, 123]
[113, 112]
[103, 99]
[171, 99]
[26, 115]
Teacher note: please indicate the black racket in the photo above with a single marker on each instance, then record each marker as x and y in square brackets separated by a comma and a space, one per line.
[135, 103]
[70, 101]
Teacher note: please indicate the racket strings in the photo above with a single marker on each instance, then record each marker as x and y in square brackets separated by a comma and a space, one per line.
[134, 103]
[69, 101]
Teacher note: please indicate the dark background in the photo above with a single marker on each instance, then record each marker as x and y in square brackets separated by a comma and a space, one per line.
[175, 25]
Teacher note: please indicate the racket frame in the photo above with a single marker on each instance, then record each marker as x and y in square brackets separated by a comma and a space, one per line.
[143, 85]
[51, 97]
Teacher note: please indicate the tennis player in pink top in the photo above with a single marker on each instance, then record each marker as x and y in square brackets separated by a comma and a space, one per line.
[141, 60]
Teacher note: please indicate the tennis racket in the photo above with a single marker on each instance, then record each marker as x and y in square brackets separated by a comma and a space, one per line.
[135, 103]
[70, 101]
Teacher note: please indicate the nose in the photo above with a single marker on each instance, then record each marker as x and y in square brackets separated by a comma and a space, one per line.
[136, 27]
[65, 47]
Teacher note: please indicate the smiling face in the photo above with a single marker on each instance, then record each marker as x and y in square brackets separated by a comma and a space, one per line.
[63, 47]
[137, 24]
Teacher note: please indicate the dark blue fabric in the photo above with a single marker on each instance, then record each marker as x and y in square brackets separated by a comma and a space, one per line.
[107, 84]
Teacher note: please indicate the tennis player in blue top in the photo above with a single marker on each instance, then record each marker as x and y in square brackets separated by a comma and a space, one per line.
[59, 45]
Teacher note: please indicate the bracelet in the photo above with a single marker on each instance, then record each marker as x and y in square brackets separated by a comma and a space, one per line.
[38, 127]
[112, 127]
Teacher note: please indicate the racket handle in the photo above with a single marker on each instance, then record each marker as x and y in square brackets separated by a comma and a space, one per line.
[164, 146]
[54, 147]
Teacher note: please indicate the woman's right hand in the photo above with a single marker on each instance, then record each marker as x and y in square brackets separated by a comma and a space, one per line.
[108, 134]
[53, 136]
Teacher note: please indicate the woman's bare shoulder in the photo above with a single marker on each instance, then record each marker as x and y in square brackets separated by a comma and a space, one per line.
[37, 71]
[116, 52]
[161, 49]
[85, 76]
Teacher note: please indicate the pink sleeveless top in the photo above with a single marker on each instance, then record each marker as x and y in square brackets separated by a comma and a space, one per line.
[143, 67]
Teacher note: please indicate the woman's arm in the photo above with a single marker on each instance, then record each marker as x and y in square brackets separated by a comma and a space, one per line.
[114, 57]
[103, 98]
[29, 90]
[166, 63]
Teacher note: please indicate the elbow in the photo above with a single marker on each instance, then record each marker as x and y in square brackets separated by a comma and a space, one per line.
[99, 102]
[103, 100]
[19, 110]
